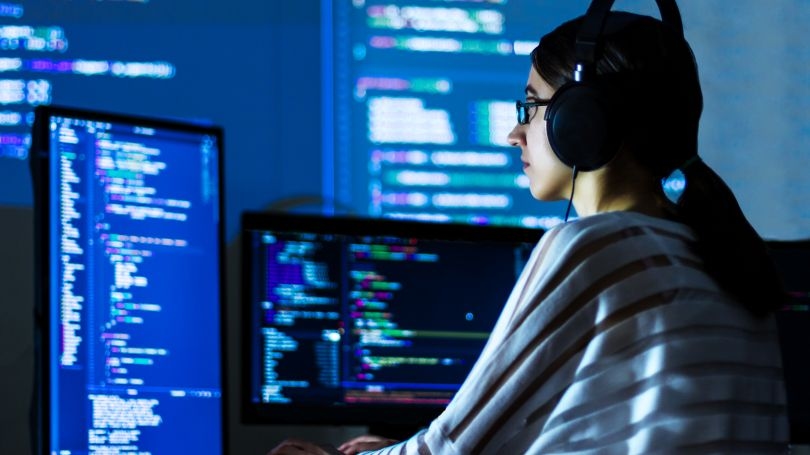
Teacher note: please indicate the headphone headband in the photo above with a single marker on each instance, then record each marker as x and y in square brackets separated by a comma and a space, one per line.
[594, 22]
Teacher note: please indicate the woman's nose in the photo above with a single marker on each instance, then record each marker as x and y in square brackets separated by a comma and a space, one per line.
[515, 137]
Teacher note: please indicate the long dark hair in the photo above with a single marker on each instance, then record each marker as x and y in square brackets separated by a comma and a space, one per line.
[653, 76]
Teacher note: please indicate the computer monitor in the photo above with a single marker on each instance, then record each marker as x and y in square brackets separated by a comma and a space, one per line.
[367, 321]
[128, 252]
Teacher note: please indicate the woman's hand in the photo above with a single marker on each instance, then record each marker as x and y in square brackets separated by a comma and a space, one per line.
[301, 447]
[365, 442]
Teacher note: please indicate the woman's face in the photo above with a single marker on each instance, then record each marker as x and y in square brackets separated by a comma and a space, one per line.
[549, 178]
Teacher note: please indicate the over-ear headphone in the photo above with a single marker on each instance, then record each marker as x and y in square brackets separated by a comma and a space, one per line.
[581, 117]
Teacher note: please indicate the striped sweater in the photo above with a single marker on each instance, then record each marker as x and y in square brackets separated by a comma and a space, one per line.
[615, 340]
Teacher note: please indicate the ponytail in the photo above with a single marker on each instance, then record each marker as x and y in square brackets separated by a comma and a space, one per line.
[734, 254]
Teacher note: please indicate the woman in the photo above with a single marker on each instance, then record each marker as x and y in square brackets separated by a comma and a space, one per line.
[643, 325]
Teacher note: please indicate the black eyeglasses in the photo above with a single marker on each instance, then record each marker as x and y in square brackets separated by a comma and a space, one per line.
[523, 115]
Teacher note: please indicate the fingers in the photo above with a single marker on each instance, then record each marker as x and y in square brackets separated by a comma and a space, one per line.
[298, 447]
[365, 442]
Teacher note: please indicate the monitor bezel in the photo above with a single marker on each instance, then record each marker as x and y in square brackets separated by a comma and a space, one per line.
[39, 165]
[390, 418]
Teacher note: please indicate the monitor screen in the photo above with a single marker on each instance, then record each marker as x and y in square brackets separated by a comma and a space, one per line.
[129, 308]
[424, 98]
[345, 317]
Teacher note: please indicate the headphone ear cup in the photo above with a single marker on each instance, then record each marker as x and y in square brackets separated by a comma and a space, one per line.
[582, 126]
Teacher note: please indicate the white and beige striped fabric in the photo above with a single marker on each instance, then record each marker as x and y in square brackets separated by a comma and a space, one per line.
[614, 340]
